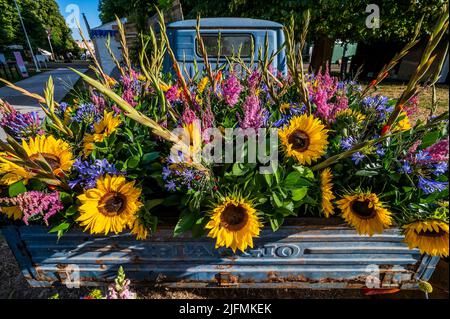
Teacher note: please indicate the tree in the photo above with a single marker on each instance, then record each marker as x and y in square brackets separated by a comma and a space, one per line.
[330, 19]
[38, 16]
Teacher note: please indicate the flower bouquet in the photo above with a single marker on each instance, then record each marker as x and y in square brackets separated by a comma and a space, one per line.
[229, 151]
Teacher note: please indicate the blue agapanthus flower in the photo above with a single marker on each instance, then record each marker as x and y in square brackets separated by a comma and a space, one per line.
[429, 186]
[347, 143]
[422, 156]
[171, 186]
[380, 151]
[88, 114]
[88, 172]
[21, 125]
[440, 168]
[406, 168]
[293, 111]
[357, 157]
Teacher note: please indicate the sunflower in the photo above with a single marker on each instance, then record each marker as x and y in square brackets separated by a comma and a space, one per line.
[403, 124]
[305, 138]
[11, 172]
[430, 236]
[234, 223]
[351, 113]
[365, 212]
[57, 153]
[138, 229]
[327, 194]
[12, 212]
[102, 129]
[109, 207]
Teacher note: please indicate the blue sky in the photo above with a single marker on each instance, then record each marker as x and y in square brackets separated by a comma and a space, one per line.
[74, 8]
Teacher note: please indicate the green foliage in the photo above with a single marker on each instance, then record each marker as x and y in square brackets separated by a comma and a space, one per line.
[342, 19]
[38, 16]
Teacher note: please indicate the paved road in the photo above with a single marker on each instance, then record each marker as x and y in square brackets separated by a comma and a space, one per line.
[63, 78]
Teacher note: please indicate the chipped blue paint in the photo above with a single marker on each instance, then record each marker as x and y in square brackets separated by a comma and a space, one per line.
[308, 256]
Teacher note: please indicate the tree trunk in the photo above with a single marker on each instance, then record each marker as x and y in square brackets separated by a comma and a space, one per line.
[322, 53]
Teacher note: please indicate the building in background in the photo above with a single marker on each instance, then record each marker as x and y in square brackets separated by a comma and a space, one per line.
[99, 36]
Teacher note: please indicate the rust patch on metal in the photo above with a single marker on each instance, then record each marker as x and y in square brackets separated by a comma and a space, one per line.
[226, 279]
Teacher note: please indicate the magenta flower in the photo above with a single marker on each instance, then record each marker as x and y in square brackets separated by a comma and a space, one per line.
[34, 203]
[438, 152]
[253, 81]
[253, 113]
[188, 116]
[172, 94]
[231, 88]
[98, 101]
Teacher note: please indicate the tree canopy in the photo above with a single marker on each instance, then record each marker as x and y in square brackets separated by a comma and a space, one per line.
[339, 19]
[135, 10]
[38, 16]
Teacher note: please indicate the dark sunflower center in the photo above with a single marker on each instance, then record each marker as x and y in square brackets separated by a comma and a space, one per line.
[112, 204]
[362, 209]
[233, 217]
[299, 141]
[432, 234]
[51, 159]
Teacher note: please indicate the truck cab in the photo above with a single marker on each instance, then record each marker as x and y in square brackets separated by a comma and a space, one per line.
[234, 34]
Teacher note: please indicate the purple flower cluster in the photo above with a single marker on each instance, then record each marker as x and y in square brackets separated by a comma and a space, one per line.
[172, 94]
[254, 114]
[380, 104]
[179, 175]
[293, 111]
[328, 96]
[188, 116]
[438, 152]
[231, 88]
[253, 81]
[20, 125]
[348, 142]
[88, 114]
[99, 101]
[429, 186]
[131, 87]
[88, 172]
[34, 203]
[357, 157]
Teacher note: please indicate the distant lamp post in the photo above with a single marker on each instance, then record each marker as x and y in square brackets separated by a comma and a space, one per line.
[49, 32]
[26, 36]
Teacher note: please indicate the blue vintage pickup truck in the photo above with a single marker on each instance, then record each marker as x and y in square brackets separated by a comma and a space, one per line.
[234, 34]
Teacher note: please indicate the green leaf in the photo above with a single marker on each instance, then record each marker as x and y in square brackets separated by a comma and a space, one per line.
[276, 222]
[185, 222]
[277, 200]
[133, 162]
[16, 189]
[150, 204]
[149, 157]
[269, 179]
[298, 194]
[295, 180]
[304, 171]
[429, 139]
[72, 210]
[364, 172]
[61, 227]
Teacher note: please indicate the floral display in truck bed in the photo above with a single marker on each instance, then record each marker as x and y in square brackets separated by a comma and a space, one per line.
[232, 150]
